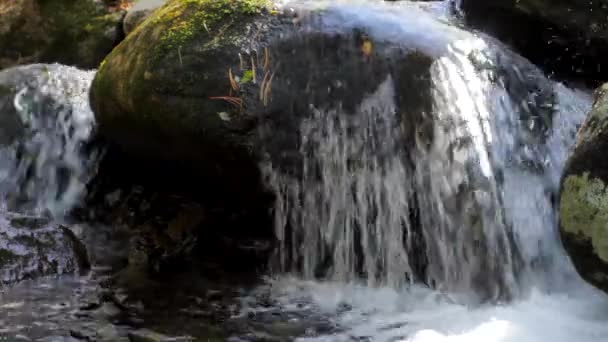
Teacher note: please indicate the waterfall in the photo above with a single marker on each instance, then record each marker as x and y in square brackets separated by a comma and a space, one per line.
[466, 209]
[44, 169]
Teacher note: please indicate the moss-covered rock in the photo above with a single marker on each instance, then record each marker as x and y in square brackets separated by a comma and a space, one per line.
[583, 209]
[568, 37]
[71, 32]
[163, 96]
[202, 92]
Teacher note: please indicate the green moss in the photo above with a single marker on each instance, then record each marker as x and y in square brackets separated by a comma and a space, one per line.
[187, 19]
[584, 211]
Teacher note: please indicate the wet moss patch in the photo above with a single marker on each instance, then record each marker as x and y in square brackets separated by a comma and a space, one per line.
[584, 211]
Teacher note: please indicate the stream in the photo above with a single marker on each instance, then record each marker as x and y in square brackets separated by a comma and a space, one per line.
[347, 265]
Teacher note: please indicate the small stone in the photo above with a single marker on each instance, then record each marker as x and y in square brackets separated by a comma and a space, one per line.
[145, 335]
[79, 335]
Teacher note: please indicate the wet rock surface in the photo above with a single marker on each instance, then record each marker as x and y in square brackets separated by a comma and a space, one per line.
[31, 247]
[567, 38]
[192, 309]
[583, 197]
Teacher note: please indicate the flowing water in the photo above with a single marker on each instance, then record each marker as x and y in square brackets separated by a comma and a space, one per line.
[45, 170]
[479, 195]
[445, 235]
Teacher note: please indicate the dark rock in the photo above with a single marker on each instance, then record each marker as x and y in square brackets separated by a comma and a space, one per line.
[568, 38]
[192, 106]
[81, 335]
[583, 207]
[204, 92]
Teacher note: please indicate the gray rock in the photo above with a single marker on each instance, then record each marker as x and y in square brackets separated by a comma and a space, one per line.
[32, 247]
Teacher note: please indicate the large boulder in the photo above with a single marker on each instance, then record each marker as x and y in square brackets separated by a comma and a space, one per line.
[583, 209]
[72, 32]
[164, 98]
[203, 92]
[568, 37]
[188, 91]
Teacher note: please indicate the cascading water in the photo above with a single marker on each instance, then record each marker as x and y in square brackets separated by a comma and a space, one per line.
[361, 200]
[45, 122]
[478, 193]
[44, 168]
[365, 200]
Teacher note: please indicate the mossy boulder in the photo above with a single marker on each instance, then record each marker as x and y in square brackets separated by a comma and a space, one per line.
[204, 92]
[193, 85]
[568, 37]
[164, 97]
[72, 32]
[583, 210]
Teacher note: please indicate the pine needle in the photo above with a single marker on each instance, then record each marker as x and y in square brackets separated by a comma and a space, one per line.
[233, 83]
[266, 58]
[230, 99]
[253, 71]
[267, 89]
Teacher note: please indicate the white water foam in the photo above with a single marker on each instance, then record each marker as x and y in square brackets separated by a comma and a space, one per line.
[422, 315]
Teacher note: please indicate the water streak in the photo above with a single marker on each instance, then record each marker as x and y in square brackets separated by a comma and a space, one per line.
[45, 169]
[467, 209]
